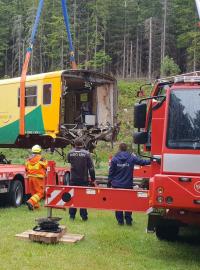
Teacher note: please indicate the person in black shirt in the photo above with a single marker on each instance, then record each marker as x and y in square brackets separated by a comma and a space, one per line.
[81, 167]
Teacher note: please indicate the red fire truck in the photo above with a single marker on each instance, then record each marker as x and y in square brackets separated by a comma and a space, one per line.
[172, 135]
[168, 125]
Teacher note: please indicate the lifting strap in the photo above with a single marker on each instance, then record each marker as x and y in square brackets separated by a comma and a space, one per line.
[28, 56]
[67, 24]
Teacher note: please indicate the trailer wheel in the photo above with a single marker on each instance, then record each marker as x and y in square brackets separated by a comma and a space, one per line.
[167, 231]
[66, 179]
[16, 193]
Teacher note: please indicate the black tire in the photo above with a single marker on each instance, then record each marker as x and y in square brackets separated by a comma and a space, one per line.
[16, 193]
[166, 230]
[66, 179]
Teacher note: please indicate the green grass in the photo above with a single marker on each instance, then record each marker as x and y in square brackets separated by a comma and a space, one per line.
[106, 245]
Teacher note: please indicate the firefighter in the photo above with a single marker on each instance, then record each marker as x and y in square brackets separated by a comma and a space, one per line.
[121, 176]
[36, 167]
[81, 164]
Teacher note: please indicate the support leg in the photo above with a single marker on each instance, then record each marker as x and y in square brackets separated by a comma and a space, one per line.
[49, 212]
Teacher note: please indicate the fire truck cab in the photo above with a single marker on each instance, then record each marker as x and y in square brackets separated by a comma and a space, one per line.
[168, 125]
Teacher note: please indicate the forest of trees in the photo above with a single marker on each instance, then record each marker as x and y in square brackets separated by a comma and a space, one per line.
[126, 38]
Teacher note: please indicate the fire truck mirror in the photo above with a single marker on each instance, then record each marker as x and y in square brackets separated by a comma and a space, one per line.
[140, 137]
[140, 115]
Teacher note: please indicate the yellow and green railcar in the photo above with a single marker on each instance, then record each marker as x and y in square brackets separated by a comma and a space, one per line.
[59, 107]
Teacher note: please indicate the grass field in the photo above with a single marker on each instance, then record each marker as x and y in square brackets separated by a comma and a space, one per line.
[106, 245]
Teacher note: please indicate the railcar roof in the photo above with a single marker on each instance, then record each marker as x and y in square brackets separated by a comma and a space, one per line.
[29, 78]
[68, 73]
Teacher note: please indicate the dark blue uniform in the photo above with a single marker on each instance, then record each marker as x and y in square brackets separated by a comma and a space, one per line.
[81, 164]
[121, 176]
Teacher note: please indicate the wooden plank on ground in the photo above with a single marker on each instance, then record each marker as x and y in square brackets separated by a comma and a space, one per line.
[50, 238]
[71, 238]
[24, 235]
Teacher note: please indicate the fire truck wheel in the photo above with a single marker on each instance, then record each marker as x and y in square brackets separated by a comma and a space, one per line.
[16, 193]
[66, 179]
[167, 231]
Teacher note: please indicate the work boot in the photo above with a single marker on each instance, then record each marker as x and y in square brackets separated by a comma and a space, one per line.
[129, 223]
[30, 206]
[121, 223]
[37, 206]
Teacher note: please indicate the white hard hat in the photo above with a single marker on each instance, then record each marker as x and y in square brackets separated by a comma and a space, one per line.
[36, 149]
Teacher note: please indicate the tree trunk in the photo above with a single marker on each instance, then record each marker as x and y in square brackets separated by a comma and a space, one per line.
[74, 15]
[127, 59]
[87, 43]
[150, 49]
[104, 49]
[124, 58]
[124, 45]
[41, 64]
[96, 37]
[163, 41]
[19, 47]
[6, 62]
[78, 45]
[140, 55]
[137, 55]
[62, 52]
[131, 60]
[194, 57]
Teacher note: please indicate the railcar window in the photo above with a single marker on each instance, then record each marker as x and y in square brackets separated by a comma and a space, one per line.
[47, 89]
[30, 96]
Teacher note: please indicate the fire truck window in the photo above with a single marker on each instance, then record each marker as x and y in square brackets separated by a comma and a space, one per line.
[184, 119]
[30, 96]
[149, 127]
[47, 89]
[163, 89]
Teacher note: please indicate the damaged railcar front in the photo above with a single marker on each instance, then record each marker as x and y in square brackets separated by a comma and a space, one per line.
[88, 107]
[60, 106]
